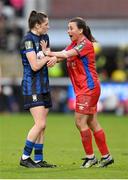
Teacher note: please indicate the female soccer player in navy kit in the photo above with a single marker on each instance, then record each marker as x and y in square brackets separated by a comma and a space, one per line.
[82, 71]
[35, 88]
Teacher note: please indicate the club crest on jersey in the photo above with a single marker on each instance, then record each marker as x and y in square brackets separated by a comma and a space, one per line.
[34, 97]
[28, 45]
[80, 46]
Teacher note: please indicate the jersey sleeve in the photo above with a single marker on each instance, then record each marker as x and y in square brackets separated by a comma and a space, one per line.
[82, 48]
[28, 45]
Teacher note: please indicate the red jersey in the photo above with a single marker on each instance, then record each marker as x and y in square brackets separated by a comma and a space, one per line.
[82, 69]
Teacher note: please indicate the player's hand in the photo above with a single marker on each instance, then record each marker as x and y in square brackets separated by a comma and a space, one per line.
[45, 50]
[52, 61]
[44, 46]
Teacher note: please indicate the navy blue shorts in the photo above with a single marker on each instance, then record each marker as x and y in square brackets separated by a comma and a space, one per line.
[37, 100]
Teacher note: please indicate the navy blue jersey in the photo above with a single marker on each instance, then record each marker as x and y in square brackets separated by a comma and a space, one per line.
[33, 82]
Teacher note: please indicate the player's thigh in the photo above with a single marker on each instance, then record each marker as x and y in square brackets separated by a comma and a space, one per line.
[39, 113]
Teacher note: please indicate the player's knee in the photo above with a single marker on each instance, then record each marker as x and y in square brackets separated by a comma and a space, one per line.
[78, 124]
[94, 126]
[41, 126]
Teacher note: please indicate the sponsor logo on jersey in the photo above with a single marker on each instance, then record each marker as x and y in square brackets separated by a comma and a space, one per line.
[83, 105]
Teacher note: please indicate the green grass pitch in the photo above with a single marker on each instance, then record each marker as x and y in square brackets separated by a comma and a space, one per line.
[62, 147]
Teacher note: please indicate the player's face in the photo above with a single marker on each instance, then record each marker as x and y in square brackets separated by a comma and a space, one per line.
[43, 27]
[73, 31]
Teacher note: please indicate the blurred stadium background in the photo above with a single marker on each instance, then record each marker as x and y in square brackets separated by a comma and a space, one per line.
[108, 20]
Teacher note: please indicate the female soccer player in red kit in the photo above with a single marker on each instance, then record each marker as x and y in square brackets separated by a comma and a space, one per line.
[82, 71]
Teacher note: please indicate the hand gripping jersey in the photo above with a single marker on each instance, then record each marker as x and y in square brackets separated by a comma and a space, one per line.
[33, 82]
[81, 68]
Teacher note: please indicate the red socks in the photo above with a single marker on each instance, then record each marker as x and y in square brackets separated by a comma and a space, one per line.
[101, 142]
[86, 138]
[100, 139]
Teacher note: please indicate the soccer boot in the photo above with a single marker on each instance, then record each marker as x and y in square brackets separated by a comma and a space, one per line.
[29, 163]
[104, 162]
[88, 162]
[44, 164]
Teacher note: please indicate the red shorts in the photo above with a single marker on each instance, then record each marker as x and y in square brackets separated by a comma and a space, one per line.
[87, 104]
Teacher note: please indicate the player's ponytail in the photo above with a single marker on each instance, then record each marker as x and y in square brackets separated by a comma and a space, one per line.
[36, 17]
[88, 34]
[33, 13]
[82, 25]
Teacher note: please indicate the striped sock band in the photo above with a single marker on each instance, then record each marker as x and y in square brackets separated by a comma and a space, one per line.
[38, 152]
[28, 148]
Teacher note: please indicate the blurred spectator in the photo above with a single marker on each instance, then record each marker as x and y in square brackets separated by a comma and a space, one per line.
[126, 60]
[17, 92]
[12, 105]
[3, 36]
[10, 30]
[3, 101]
[14, 35]
[18, 6]
[101, 61]
[110, 103]
[118, 75]
[6, 9]
[1, 7]
[59, 99]
[100, 66]
[122, 108]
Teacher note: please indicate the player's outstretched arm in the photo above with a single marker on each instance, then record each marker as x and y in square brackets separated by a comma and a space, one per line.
[59, 54]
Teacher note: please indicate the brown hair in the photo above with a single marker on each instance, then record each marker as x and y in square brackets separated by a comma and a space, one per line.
[82, 25]
[36, 17]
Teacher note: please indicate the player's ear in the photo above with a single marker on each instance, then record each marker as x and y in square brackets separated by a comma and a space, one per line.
[37, 25]
[80, 31]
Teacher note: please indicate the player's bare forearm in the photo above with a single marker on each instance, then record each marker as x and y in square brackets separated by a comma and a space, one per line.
[59, 54]
[62, 54]
[40, 63]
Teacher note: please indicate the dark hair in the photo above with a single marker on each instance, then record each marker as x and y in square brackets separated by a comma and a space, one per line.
[36, 17]
[82, 25]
